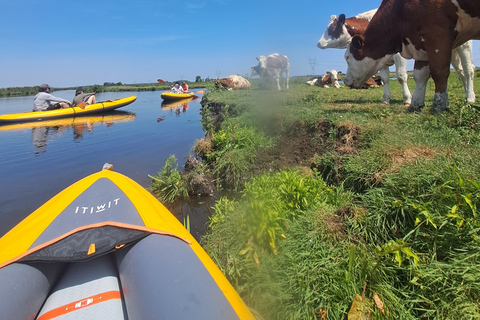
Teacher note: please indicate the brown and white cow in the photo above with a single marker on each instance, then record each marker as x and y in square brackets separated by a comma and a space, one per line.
[329, 79]
[340, 31]
[233, 82]
[272, 66]
[426, 30]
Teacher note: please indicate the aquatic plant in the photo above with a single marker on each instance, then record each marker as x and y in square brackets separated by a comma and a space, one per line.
[168, 184]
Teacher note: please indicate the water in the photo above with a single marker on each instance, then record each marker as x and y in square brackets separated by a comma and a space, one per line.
[37, 162]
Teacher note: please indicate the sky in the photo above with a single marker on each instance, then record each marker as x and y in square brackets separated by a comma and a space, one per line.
[67, 44]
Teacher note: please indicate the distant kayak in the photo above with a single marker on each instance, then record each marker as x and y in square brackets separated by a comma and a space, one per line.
[67, 112]
[176, 96]
[105, 248]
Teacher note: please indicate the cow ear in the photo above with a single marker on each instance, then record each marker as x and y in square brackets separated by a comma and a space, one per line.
[357, 42]
[341, 19]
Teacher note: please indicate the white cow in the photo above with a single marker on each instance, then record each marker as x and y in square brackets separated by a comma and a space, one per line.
[272, 66]
[340, 31]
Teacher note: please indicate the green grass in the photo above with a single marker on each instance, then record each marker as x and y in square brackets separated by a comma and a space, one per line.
[395, 219]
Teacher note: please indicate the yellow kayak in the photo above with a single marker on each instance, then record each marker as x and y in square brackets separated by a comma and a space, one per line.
[176, 96]
[67, 112]
[105, 248]
[119, 116]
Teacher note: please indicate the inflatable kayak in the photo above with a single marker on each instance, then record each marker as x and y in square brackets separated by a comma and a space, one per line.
[67, 112]
[108, 118]
[105, 248]
[170, 96]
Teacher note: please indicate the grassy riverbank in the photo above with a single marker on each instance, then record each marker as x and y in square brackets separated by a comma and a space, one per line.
[344, 206]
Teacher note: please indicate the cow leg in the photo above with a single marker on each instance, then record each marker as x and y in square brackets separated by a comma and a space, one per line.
[277, 76]
[421, 74]
[287, 74]
[402, 76]
[439, 58]
[385, 76]
[463, 64]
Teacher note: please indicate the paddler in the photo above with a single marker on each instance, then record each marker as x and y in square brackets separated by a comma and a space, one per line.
[44, 101]
[176, 88]
[184, 87]
[80, 96]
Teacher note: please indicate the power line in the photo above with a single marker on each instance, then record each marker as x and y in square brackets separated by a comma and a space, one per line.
[313, 63]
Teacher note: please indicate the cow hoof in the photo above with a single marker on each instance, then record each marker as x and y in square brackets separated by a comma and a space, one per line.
[440, 102]
[383, 103]
[412, 108]
[437, 109]
[406, 104]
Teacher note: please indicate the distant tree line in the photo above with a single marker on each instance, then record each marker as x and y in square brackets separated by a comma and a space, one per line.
[18, 91]
[106, 87]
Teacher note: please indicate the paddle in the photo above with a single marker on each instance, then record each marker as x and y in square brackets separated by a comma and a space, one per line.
[161, 81]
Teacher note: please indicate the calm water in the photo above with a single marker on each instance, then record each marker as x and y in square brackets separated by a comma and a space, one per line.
[37, 162]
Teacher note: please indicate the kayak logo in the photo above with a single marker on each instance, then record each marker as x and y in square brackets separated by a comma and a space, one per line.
[98, 208]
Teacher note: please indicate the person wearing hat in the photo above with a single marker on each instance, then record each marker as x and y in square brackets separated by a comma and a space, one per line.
[44, 101]
[80, 97]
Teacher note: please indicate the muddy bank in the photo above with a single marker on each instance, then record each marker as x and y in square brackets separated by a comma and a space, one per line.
[298, 144]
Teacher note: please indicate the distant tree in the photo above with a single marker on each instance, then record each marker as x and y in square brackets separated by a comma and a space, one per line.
[198, 79]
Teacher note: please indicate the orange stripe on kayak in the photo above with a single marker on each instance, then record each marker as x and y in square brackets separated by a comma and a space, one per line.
[74, 306]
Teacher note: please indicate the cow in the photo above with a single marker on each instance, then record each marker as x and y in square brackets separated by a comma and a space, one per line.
[426, 31]
[329, 79]
[340, 31]
[233, 82]
[272, 66]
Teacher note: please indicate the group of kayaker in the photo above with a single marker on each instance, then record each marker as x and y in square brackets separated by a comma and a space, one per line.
[44, 101]
[177, 88]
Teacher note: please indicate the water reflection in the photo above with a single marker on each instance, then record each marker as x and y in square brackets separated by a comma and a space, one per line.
[181, 105]
[43, 131]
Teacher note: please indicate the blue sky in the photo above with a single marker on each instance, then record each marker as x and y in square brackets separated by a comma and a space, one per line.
[66, 43]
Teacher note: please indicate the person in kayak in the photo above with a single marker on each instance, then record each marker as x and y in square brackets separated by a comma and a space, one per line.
[80, 96]
[44, 101]
[184, 87]
[176, 88]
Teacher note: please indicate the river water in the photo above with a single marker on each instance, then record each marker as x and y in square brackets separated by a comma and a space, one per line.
[39, 160]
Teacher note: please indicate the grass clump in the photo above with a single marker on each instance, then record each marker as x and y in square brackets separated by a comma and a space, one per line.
[168, 184]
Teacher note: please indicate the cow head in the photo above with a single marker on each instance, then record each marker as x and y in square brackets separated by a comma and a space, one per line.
[259, 69]
[360, 67]
[336, 34]
[256, 71]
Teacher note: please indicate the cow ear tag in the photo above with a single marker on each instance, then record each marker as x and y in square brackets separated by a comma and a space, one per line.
[91, 249]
